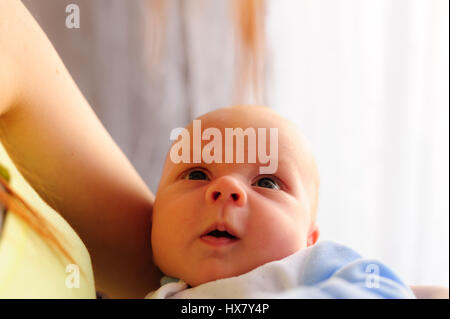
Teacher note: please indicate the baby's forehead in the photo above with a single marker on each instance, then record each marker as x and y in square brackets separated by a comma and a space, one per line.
[244, 116]
[250, 117]
[254, 117]
[292, 146]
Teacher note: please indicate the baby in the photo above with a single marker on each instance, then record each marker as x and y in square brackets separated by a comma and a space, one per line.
[225, 230]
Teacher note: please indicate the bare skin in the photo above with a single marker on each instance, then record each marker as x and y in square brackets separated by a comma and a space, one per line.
[62, 149]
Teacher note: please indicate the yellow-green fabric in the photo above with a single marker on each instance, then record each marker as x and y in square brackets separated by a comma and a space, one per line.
[29, 266]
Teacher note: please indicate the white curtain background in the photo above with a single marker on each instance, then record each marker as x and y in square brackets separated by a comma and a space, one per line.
[366, 81]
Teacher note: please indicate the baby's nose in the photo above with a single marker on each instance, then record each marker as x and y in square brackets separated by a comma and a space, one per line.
[226, 188]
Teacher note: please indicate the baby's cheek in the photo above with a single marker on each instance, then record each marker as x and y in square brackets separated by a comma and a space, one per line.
[163, 250]
[276, 236]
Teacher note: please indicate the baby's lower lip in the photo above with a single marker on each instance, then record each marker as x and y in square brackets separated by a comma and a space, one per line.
[218, 241]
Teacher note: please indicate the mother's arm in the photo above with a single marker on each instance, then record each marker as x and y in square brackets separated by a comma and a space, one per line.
[65, 153]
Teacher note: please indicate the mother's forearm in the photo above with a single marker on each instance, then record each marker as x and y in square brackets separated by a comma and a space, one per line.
[62, 149]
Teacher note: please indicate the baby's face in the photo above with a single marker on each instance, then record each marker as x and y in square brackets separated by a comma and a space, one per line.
[219, 220]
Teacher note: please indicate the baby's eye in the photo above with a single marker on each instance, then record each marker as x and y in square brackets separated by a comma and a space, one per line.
[267, 182]
[197, 175]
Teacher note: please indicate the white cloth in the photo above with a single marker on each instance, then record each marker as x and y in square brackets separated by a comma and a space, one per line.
[325, 270]
[270, 278]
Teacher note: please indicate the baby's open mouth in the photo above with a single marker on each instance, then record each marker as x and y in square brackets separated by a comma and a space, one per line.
[218, 237]
[217, 233]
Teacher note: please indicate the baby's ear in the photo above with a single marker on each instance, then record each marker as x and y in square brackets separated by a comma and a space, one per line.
[313, 235]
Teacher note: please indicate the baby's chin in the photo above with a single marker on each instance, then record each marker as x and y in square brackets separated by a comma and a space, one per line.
[211, 273]
[205, 278]
[202, 274]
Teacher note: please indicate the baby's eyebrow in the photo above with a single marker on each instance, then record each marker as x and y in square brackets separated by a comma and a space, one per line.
[287, 162]
[289, 169]
[178, 168]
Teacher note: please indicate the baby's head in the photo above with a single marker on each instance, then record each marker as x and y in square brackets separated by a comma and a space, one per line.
[218, 220]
